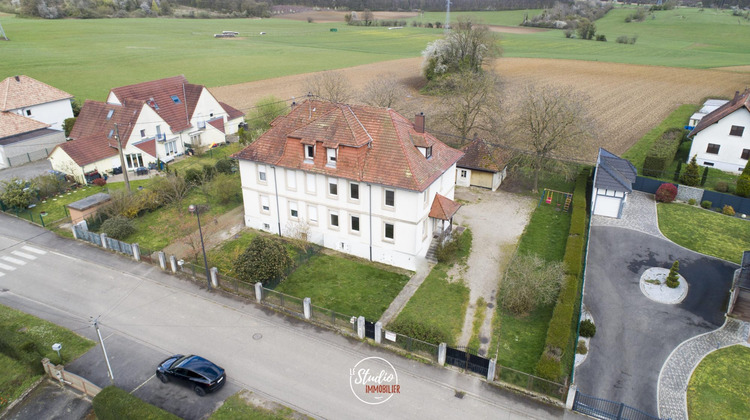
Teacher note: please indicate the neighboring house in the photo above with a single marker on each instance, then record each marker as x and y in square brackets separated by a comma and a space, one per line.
[481, 166]
[613, 182]
[362, 180]
[31, 119]
[154, 120]
[722, 138]
[709, 106]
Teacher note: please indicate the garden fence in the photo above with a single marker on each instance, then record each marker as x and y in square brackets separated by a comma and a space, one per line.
[717, 199]
[600, 408]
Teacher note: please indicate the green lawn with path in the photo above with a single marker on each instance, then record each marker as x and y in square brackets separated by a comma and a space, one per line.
[718, 387]
[705, 231]
[24, 341]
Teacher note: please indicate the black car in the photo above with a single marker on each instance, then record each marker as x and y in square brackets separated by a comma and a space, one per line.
[202, 375]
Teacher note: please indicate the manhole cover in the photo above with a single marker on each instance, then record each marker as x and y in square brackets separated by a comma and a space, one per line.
[257, 336]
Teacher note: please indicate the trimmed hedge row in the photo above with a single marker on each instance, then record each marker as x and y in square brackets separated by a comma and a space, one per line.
[116, 404]
[662, 152]
[558, 334]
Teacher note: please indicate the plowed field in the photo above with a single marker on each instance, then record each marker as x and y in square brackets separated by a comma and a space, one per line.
[627, 100]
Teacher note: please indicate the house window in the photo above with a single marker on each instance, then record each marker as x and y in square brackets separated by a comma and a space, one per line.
[175, 99]
[331, 156]
[143, 133]
[464, 173]
[333, 187]
[713, 149]
[293, 213]
[389, 231]
[134, 160]
[310, 182]
[312, 214]
[109, 114]
[390, 198]
[291, 179]
[355, 223]
[736, 130]
[262, 173]
[170, 147]
[265, 207]
[195, 139]
[745, 154]
[708, 164]
[424, 197]
[334, 218]
[309, 152]
[428, 152]
[354, 191]
[28, 112]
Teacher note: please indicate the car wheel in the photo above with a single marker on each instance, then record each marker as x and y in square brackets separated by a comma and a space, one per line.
[199, 390]
[162, 377]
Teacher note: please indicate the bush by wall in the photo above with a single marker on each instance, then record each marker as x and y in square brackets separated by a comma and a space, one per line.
[113, 403]
[666, 193]
[662, 152]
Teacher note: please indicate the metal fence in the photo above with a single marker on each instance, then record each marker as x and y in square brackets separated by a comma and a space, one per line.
[412, 345]
[607, 410]
[531, 383]
[717, 199]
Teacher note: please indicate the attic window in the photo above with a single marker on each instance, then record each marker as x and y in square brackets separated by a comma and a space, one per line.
[109, 114]
[428, 152]
[736, 130]
[309, 152]
[175, 99]
[109, 136]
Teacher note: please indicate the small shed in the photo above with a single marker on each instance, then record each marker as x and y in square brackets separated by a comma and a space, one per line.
[85, 207]
[613, 182]
[482, 165]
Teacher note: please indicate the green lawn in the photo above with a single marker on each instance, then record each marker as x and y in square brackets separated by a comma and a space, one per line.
[223, 256]
[241, 406]
[718, 387]
[350, 286]
[705, 231]
[677, 119]
[210, 157]
[24, 341]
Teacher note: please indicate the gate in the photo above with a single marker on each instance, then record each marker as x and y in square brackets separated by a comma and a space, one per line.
[369, 329]
[466, 358]
[119, 246]
[607, 410]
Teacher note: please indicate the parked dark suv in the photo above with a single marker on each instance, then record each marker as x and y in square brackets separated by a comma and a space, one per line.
[200, 374]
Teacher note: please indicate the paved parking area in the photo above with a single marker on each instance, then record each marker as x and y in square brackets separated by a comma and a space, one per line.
[27, 171]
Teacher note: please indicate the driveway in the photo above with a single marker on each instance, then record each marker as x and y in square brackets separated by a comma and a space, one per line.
[27, 171]
[635, 335]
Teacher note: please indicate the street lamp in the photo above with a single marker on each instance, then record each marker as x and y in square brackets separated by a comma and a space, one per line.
[197, 211]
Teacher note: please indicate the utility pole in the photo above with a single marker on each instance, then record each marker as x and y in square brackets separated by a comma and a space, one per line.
[109, 367]
[122, 159]
[447, 25]
[2, 33]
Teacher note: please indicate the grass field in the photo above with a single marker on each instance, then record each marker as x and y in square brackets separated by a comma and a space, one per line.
[718, 387]
[246, 405]
[709, 232]
[677, 119]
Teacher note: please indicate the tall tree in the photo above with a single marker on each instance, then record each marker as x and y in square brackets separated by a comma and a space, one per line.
[330, 85]
[469, 101]
[466, 48]
[384, 91]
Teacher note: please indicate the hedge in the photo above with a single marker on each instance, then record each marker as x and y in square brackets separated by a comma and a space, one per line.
[559, 331]
[115, 404]
[662, 152]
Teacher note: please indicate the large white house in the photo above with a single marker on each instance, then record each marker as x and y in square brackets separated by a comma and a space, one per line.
[722, 138]
[154, 120]
[365, 181]
[31, 119]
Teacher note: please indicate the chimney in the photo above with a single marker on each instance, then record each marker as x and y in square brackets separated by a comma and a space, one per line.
[736, 97]
[419, 122]
[18, 78]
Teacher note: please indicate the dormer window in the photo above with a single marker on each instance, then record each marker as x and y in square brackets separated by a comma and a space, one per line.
[109, 114]
[309, 152]
[428, 152]
[331, 155]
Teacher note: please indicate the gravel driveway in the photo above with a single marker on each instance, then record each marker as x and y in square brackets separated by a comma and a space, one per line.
[497, 220]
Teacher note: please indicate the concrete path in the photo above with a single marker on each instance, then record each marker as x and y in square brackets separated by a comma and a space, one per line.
[397, 305]
[677, 370]
[27, 171]
[639, 215]
[497, 220]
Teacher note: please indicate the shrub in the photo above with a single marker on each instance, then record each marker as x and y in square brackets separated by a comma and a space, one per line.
[662, 152]
[673, 279]
[743, 186]
[581, 348]
[193, 176]
[706, 204]
[728, 210]
[208, 173]
[587, 329]
[568, 33]
[224, 166]
[113, 403]
[622, 39]
[17, 194]
[49, 185]
[118, 227]
[666, 193]
[99, 182]
[420, 330]
[601, 37]
[530, 281]
[691, 176]
[721, 186]
[225, 188]
[549, 368]
[265, 259]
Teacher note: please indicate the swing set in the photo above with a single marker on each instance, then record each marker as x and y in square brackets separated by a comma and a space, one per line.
[560, 199]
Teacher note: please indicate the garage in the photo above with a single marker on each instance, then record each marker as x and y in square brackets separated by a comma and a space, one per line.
[613, 181]
[608, 206]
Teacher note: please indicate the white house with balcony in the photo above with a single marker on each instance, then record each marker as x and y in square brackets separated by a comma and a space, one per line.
[721, 139]
[362, 180]
[154, 121]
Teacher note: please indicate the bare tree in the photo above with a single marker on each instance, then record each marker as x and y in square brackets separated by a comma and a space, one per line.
[469, 100]
[330, 85]
[368, 17]
[549, 120]
[530, 281]
[384, 91]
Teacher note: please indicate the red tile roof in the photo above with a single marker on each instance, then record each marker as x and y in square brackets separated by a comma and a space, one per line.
[147, 146]
[12, 124]
[92, 120]
[158, 95]
[443, 208]
[233, 112]
[218, 123]
[478, 155]
[27, 91]
[89, 149]
[739, 101]
[374, 145]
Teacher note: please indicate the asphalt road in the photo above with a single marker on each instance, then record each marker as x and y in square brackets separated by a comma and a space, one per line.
[290, 362]
[634, 335]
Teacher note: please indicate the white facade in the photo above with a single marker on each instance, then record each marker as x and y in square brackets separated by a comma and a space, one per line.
[53, 113]
[151, 126]
[724, 145]
[303, 205]
[609, 203]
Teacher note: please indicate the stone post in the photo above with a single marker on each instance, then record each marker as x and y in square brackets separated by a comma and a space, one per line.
[104, 240]
[571, 396]
[162, 260]
[491, 370]
[136, 252]
[442, 347]
[75, 235]
[307, 307]
[214, 277]
[259, 292]
[378, 332]
[361, 327]
[173, 263]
